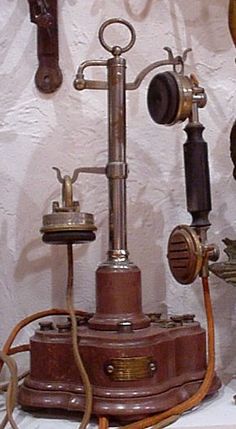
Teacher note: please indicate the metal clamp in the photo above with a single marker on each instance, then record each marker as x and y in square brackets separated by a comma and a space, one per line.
[117, 170]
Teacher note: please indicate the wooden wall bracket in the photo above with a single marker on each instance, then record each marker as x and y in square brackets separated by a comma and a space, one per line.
[43, 13]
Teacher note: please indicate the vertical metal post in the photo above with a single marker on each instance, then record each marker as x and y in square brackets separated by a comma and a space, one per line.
[118, 281]
[117, 167]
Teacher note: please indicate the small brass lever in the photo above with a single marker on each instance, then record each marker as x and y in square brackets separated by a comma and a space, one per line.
[77, 171]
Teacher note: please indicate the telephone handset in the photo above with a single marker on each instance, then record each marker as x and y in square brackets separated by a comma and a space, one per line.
[172, 98]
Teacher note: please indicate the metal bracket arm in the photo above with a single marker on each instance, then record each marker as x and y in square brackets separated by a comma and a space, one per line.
[77, 171]
[81, 83]
[171, 61]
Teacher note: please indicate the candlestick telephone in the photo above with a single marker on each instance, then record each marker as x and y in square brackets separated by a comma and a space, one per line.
[119, 362]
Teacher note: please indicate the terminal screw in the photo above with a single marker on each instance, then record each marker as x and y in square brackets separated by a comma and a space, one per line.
[153, 366]
[46, 326]
[110, 369]
[188, 318]
[177, 319]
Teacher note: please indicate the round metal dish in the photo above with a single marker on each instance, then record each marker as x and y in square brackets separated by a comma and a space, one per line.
[68, 227]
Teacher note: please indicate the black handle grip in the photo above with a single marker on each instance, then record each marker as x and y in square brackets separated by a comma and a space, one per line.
[197, 176]
[233, 147]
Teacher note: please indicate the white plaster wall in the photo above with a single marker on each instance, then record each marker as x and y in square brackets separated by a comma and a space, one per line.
[68, 129]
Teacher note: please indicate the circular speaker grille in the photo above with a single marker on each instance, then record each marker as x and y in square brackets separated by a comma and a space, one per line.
[184, 254]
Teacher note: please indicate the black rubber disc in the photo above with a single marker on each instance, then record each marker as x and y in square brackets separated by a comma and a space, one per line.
[163, 98]
[68, 237]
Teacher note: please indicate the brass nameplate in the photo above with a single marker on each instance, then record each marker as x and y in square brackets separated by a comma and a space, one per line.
[130, 369]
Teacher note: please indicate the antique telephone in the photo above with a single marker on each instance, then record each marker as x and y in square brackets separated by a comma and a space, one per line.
[119, 362]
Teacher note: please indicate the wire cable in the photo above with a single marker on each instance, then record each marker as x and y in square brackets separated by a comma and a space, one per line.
[11, 392]
[77, 357]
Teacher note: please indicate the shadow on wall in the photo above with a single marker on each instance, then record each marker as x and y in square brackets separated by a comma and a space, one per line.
[210, 15]
[145, 229]
[224, 304]
[14, 87]
[203, 22]
[138, 11]
[8, 298]
[149, 219]
[35, 257]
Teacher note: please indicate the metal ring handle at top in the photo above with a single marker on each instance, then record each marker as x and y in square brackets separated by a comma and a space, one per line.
[113, 49]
